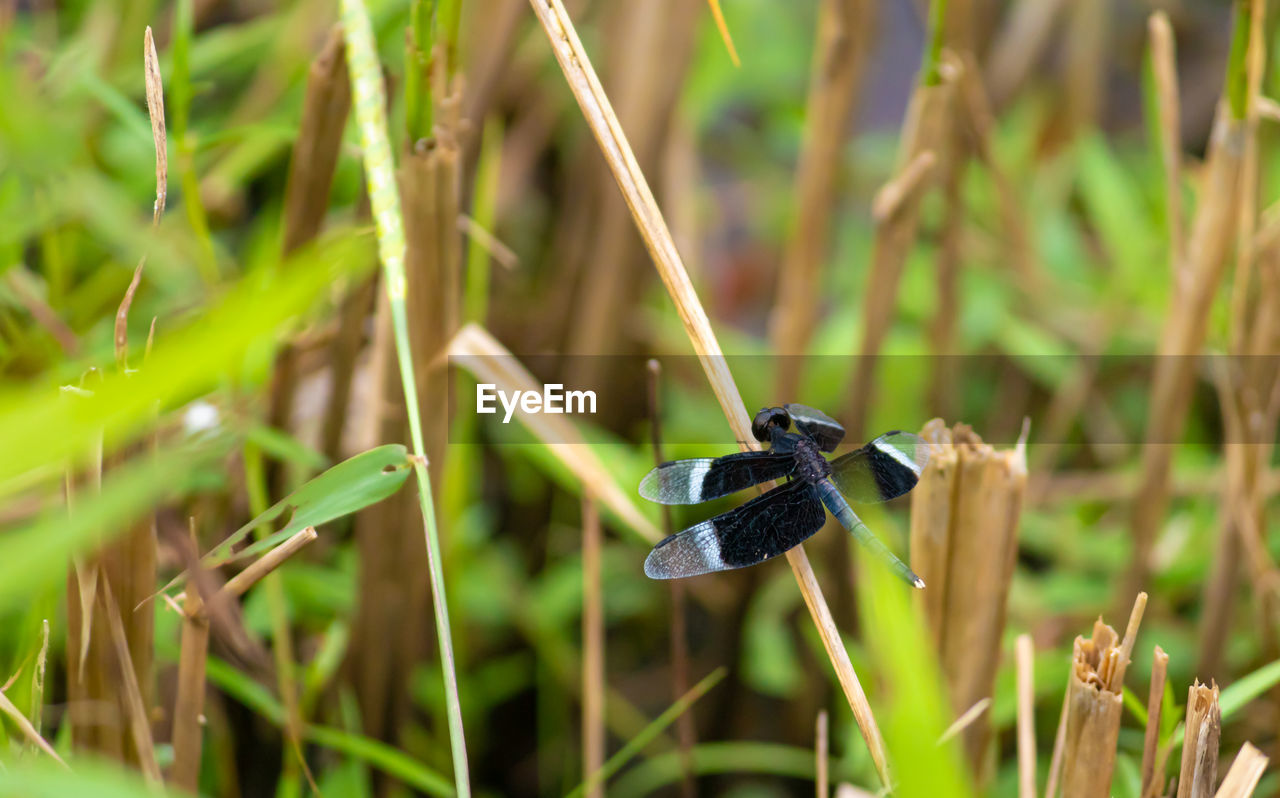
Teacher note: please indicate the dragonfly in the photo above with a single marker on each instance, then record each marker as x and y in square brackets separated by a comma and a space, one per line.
[790, 513]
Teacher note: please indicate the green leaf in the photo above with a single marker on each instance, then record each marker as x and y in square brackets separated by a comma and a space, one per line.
[351, 485]
[41, 777]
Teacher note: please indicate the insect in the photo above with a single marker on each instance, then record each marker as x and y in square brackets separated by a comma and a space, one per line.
[784, 517]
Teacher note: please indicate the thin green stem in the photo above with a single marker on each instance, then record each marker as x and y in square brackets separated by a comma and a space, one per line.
[483, 212]
[1237, 88]
[367, 91]
[930, 73]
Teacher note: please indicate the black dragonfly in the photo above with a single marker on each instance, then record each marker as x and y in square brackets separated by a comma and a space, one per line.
[784, 517]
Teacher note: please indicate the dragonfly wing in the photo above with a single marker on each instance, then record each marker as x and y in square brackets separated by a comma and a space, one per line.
[762, 528]
[703, 479]
[817, 425]
[850, 521]
[884, 469]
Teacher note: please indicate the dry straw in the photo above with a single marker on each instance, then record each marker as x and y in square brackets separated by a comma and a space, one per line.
[1152, 768]
[964, 539]
[593, 636]
[839, 56]
[1084, 751]
[1200, 737]
[1244, 774]
[1025, 652]
[613, 143]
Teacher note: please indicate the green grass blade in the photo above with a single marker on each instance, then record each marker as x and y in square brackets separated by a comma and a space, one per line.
[370, 103]
[647, 735]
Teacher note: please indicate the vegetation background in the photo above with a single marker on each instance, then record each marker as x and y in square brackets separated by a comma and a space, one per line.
[981, 211]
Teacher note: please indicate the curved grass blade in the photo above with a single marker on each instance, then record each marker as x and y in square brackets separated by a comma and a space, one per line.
[636, 744]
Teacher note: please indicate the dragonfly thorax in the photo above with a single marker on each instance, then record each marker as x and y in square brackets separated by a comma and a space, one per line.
[811, 466]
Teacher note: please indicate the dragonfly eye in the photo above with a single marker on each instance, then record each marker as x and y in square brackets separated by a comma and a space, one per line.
[766, 418]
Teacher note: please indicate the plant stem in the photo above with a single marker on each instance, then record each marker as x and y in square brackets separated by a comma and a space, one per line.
[367, 93]
[1237, 88]
[930, 74]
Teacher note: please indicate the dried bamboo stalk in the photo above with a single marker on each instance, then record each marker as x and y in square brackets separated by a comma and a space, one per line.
[1026, 653]
[239, 584]
[132, 699]
[644, 91]
[1246, 770]
[839, 56]
[188, 707]
[604, 125]
[1164, 67]
[1153, 778]
[964, 525]
[1200, 742]
[1185, 329]
[593, 636]
[1085, 748]
[325, 107]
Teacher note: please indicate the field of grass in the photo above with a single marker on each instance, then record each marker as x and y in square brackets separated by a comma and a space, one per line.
[256, 260]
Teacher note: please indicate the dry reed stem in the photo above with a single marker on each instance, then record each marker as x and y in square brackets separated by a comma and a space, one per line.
[1085, 747]
[241, 582]
[593, 637]
[44, 315]
[608, 133]
[478, 352]
[1203, 727]
[610, 266]
[1152, 779]
[1085, 45]
[1184, 333]
[820, 749]
[28, 729]
[188, 707]
[1246, 770]
[835, 78]
[132, 700]
[888, 200]
[325, 107]
[1025, 653]
[1164, 67]
[1019, 46]
[966, 719]
[685, 731]
[964, 524]
[924, 129]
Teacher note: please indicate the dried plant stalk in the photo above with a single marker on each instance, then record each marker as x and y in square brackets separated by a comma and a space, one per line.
[1086, 48]
[1164, 67]
[1244, 774]
[1153, 778]
[923, 130]
[1084, 752]
[605, 127]
[611, 265]
[1200, 742]
[131, 696]
[189, 705]
[28, 729]
[475, 350]
[1186, 324]
[593, 678]
[820, 754]
[964, 540]
[839, 56]
[306, 200]
[1026, 653]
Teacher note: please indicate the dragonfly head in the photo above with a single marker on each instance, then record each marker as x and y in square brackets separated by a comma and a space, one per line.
[767, 419]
